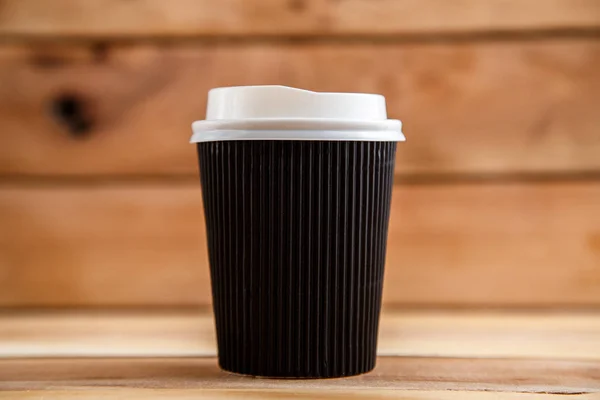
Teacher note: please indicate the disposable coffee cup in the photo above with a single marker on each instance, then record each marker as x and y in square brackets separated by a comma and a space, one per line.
[296, 188]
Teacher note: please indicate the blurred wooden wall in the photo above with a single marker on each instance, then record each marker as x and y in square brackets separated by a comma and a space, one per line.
[497, 200]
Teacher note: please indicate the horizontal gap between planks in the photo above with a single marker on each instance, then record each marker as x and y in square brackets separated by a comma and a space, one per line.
[399, 179]
[206, 309]
[304, 38]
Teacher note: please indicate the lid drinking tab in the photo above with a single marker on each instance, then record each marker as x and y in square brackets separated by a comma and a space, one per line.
[250, 102]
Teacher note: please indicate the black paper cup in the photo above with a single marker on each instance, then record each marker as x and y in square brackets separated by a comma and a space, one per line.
[297, 235]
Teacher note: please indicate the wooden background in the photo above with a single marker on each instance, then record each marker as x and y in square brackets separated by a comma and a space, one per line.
[497, 196]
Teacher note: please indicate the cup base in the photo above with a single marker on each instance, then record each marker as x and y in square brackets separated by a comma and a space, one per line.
[297, 377]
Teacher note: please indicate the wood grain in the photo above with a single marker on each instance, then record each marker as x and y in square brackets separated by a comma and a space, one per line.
[513, 244]
[392, 373]
[514, 107]
[441, 16]
[415, 376]
[113, 18]
[466, 244]
[103, 246]
[190, 333]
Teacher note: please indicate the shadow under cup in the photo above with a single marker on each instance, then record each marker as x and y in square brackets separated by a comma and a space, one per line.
[297, 234]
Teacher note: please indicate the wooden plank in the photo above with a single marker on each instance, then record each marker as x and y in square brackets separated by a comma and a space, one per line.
[475, 108]
[442, 16]
[493, 244]
[103, 246]
[391, 373]
[113, 18]
[187, 333]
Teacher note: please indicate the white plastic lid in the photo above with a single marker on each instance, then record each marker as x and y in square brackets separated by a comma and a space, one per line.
[285, 113]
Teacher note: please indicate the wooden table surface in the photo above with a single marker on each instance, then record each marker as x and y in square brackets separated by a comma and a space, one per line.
[423, 355]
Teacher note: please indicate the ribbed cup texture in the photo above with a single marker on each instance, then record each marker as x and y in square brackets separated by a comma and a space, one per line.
[297, 234]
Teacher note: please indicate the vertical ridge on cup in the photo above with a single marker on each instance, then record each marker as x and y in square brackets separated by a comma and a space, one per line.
[297, 234]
